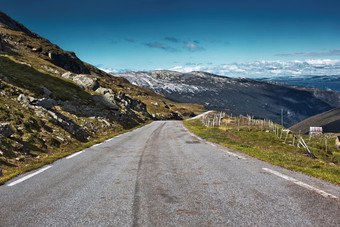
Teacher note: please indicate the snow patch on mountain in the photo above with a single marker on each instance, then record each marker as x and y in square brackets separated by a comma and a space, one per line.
[145, 79]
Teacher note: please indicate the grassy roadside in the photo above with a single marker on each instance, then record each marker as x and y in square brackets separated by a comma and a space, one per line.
[267, 147]
[58, 154]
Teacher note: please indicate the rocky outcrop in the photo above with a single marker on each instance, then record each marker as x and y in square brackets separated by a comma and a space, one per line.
[68, 125]
[68, 75]
[133, 104]
[107, 100]
[68, 61]
[5, 129]
[86, 81]
[46, 103]
[102, 90]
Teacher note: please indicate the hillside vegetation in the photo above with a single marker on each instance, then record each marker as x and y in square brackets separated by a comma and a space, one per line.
[53, 104]
[329, 121]
[268, 142]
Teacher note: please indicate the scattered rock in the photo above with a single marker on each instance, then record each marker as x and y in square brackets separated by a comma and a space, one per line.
[20, 159]
[59, 138]
[68, 75]
[46, 103]
[32, 99]
[39, 49]
[86, 82]
[108, 100]
[53, 115]
[103, 91]
[51, 69]
[23, 99]
[5, 129]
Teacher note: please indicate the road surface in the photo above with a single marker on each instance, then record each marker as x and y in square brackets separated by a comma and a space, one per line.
[161, 175]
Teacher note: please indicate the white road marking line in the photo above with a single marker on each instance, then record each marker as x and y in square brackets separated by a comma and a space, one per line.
[233, 154]
[323, 193]
[75, 154]
[28, 176]
[198, 116]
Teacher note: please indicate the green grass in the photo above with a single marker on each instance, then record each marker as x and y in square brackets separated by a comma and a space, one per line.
[29, 78]
[266, 146]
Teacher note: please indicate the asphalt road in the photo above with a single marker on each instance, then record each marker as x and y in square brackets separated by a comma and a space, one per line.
[161, 175]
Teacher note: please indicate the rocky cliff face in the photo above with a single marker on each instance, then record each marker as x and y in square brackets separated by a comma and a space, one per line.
[237, 95]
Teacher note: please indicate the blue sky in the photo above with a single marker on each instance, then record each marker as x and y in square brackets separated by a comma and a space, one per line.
[164, 34]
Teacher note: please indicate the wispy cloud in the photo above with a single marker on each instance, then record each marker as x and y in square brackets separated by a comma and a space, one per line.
[129, 40]
[172, 39]
[335, 52]
[161, 46]
[193, 47]
[210, 40]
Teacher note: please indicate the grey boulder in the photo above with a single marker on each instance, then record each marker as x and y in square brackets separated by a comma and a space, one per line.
[86, 82]
[46, 103]
[6, 130]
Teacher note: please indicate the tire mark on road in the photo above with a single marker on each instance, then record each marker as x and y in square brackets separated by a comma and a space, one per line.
[136, 198]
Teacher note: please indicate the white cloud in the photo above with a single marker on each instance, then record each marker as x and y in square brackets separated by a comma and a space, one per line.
[262, 68]
[192, 47]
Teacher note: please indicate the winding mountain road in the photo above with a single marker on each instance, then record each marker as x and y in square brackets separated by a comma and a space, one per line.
[162, 175]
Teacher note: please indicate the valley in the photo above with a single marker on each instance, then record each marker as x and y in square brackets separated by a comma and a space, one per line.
[239, 95]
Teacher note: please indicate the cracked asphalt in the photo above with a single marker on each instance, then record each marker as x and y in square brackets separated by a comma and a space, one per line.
[161, 175]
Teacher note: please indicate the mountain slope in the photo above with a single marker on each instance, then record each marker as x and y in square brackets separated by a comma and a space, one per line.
[238, 96]
[329, 121]
[51, 102]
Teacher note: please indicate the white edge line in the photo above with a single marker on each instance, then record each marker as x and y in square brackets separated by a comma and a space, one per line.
[28, 176]
[304, 185]
[201, 115]
[233, 154]
[75, 154]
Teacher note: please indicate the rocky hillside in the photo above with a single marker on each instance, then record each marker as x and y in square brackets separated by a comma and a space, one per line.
[51, 101]
[239, 96]
[329, 121]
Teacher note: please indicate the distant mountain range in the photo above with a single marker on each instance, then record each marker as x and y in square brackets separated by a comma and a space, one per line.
[326, 82]
[262, 99]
